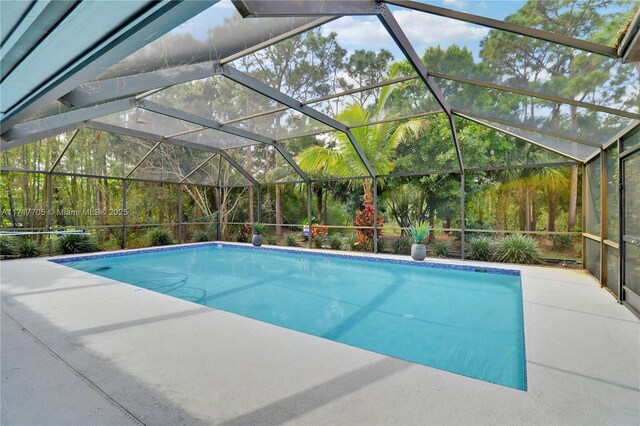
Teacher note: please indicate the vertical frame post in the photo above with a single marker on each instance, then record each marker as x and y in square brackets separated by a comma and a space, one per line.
[124, 214]
[218, 195]
[462, 216]
[179, 191]
[258, 203]
[604, 229]
[309, 213]
[621, 224]
[584, 213]
[50, 210]
[375, 215]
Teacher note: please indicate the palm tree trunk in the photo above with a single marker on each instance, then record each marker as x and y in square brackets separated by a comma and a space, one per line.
[553, 211]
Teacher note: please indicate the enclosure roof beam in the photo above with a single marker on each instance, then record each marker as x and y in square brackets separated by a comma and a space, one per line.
[171, 141]
[285, 8]
[15, 143]
[113, 88]
[629, 48]
[34, 130]
[238, 167]
[142, 160]
[531, 129]
[272, 93]
[535, 94]
[147, 83]
[123, 35]
[64, 150]
[508, 133]
[574, 43]
[212, 124]
[395, 31]
[198, 167]
[201, 121]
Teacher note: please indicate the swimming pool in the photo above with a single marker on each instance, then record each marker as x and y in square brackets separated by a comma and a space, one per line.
[456, 318]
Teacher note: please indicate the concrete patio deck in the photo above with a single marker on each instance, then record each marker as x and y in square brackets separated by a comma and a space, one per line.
[82, 349]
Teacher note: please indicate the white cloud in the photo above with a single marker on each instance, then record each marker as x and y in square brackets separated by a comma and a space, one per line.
[422, 30]
[458, 4]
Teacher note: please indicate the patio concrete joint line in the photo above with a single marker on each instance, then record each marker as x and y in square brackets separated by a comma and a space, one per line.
[272, 93]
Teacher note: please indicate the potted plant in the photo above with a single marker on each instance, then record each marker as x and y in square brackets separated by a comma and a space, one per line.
[418, 232]
[258, 229]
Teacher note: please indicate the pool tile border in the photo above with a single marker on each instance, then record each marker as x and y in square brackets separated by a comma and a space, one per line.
[422, 264]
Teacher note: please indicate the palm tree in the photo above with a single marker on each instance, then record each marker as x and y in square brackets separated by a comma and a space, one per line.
[378, 142]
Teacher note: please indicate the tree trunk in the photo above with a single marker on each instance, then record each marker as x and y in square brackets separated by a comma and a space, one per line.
[522, 208]
[432, 220]
[553, 211]
[319, 202]
[573, 197]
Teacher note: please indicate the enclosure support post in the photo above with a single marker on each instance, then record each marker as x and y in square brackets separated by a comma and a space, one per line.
[50, 210]
[309, 212]
[218, 194]
[124, 214]
[462, 221]
[604, 229]
[583, 221]
[375, 215]
[621, 223]
[179, 188]
[258, 205]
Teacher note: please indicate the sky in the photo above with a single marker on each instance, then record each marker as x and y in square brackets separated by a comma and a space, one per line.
[366, 32]
[422, 29]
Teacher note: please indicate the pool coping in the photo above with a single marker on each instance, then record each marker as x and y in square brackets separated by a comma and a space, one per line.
[370, 258]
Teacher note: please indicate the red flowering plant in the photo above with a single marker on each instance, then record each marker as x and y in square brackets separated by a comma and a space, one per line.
[244, 232]
[364, 237]
[320, 231]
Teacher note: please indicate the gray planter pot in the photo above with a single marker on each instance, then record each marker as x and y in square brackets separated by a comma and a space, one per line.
[257, 240]
[418, 251]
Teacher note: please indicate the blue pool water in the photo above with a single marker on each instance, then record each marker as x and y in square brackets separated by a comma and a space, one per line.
[461, 321]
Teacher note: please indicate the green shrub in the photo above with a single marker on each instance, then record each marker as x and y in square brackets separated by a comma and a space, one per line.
[561, 242]
[272, 240]
[441, 249]
[349, 243]
[159, 237]
[200, 236]
[419, 231]
[8, 246]
[473, 225]
[258, 228]
[28, 248]
[290, 241]
[381, 245]
[335, 242]
[480, 248]
[317, 242]
[517, 248]
[402, 246]
[76, 243]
